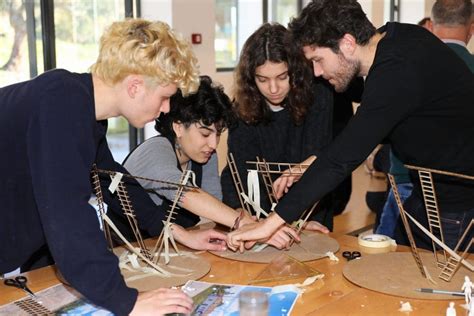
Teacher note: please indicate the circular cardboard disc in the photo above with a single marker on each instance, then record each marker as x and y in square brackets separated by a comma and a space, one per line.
[312, 246]
[184, 268]
[396, 273]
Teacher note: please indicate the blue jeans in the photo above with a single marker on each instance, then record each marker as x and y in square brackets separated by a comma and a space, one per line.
[454, 223]
[390, 213]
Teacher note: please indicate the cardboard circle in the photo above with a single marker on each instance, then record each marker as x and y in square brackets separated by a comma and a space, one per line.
[396, 273]
[185, 267]
[312, 246]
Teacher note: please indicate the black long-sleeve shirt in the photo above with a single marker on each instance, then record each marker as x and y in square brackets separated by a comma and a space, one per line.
[279, 140]
[49, 140]
[419, 96]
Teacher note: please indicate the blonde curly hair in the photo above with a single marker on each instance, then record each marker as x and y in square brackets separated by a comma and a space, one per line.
[152, 49]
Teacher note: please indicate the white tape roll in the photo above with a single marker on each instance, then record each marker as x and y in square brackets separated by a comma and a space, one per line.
[376, 243]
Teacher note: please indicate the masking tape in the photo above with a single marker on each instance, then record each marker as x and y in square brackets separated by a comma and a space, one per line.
[115, 182]
[376, 243]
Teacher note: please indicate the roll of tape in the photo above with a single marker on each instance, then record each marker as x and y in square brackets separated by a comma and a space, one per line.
[376, 243]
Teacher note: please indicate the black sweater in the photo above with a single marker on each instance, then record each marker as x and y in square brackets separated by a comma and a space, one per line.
[279, 140]
[419, 96]
[49, 139]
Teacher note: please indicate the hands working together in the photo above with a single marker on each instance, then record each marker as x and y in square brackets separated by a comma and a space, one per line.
[273, 230]
[213, 240]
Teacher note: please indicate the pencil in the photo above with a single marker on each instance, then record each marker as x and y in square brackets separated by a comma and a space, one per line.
[433, 291]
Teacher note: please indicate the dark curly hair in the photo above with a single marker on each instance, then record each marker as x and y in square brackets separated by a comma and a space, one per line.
[268, 43]
[209, 105]
[324, 22]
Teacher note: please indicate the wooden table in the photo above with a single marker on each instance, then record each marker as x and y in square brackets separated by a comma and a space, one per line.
[334, 295]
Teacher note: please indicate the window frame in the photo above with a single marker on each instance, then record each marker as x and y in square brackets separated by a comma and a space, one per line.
[265, 19]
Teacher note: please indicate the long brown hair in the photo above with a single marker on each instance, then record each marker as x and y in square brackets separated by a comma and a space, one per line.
[268, 43]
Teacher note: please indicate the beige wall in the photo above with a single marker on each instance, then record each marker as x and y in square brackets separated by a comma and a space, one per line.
[188, 17]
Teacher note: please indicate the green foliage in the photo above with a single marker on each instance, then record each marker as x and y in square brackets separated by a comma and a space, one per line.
[78, 26]
[84, 21]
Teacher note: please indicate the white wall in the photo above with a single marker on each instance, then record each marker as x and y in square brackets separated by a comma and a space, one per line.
[188, 17]
[412, 11]
[157, 10]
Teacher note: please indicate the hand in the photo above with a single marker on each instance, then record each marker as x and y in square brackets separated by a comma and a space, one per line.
[162, 301]
[246, 219]
[290, 176]
[254, 232]
[283, 183]
[200, 239]
[369, 162]
[282, 238]
[316, 226]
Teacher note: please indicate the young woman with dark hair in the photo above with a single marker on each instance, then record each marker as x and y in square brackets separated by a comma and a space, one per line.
[188, 138]
[189, 135]
[285, 115]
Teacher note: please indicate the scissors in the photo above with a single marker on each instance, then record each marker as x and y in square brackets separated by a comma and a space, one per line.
[351, 255]
[20, 283]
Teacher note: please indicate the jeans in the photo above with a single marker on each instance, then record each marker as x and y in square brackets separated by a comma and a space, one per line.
[454, 223]
[390, 212]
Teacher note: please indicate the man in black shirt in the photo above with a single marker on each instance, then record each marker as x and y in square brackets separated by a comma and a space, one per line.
[418, 96]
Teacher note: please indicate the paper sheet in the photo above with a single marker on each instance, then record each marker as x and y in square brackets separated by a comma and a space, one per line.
[223, 299]
[58, 299]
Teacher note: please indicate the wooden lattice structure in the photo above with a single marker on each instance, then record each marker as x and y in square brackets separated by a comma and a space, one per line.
[149, 255]
[266, 169]
[448, 260]
[238, 183]
[280, 167]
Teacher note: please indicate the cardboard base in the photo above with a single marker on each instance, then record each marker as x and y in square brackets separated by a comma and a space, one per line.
[396, 273]
[184, 268]
[312, 246]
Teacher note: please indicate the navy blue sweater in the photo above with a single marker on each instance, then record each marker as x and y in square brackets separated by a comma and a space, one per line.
[49, 140]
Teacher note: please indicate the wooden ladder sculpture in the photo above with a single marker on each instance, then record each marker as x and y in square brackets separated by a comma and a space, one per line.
[238, 183]
[266, 169]
[166, 236]
[453, 258]
[432, 213]
[454, 263]
[263, 169]
[149, 256]
[414, 250]
[100, 203]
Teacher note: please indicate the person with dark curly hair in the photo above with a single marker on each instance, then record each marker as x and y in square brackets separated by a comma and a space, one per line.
[418, 97]
[284, 114]
[189, 135]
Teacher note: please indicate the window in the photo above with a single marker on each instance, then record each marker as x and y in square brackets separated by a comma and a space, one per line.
[18, 44]
[236, 20]
[226, 33]
[78, 27]
[282, 11]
